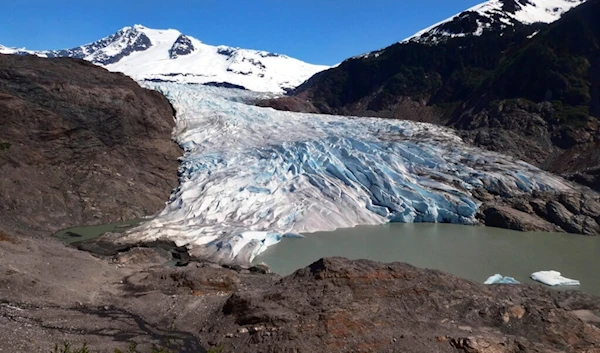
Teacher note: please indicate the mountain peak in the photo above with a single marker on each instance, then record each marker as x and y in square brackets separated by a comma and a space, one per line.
[169, 55]
[494, 15]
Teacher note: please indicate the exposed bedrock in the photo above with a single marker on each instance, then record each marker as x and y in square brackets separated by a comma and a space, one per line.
[80, 145]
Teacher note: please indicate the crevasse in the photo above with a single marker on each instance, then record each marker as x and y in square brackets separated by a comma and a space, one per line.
[251, 175]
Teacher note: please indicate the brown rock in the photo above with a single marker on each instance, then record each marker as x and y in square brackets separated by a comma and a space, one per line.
[358, 306]
[94, 146]
[591, 207]
[539, 208]
[517, 311]
[509, 218]
[580, 224]
[294, 104]
[571, 202]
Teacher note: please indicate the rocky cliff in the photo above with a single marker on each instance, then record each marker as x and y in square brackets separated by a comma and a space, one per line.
[80, 145]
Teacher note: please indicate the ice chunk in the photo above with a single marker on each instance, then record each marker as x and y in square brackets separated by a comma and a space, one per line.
[553, 278]
[499, 279]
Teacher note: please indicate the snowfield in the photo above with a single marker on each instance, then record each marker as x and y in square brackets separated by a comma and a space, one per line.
[252, 175]
[201, 63]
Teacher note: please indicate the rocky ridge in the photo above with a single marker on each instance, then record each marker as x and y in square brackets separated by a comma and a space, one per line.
[495, 15]
[577, 213]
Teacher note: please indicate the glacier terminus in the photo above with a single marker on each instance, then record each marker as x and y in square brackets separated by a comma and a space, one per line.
[251, 176]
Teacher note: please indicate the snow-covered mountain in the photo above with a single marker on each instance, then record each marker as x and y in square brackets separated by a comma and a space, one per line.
[494, 15]
[169, 55]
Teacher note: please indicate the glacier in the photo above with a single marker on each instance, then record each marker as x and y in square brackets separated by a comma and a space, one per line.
[250, 176]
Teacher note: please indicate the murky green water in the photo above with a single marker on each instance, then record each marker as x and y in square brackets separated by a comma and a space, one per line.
[76, 234]
[467, 251]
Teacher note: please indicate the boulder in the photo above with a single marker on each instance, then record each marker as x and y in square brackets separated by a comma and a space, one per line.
[510, 218]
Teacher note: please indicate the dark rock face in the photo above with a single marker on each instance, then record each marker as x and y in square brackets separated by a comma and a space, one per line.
[292, 103]
[131, 39]
[224, 85]
[226, 51]
[338, 305]
[510, 218]
[512, 6]
[137, 42]
[542, 211]
[182, 46]
[81, 145]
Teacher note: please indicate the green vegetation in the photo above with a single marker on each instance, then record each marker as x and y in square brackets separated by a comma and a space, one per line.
[575, 116]
[219, 349]
[133, 349]
[442, 73]
[4, 146]
[68, 348]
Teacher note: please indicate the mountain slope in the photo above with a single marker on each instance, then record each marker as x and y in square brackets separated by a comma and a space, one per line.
[548, 90]
[168, 55]
[527, 90]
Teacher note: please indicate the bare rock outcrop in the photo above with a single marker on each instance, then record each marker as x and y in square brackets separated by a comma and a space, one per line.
[577, 213]
[338, 305]
[80, 145]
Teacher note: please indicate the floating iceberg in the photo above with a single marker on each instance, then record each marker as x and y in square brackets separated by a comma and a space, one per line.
[252, 175]
[553, 278]
[499, 279]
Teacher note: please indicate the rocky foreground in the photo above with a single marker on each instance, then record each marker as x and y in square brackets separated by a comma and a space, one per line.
[50, 294]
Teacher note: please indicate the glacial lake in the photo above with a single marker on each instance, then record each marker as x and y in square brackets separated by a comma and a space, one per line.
[81, 233]
[466, 251]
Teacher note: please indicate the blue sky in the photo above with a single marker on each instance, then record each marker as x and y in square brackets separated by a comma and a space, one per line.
[317, 31]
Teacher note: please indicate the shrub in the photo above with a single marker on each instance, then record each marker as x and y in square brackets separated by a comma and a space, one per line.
[68, 348]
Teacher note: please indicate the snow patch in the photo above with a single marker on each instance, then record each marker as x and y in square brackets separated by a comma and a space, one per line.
[533, 11]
